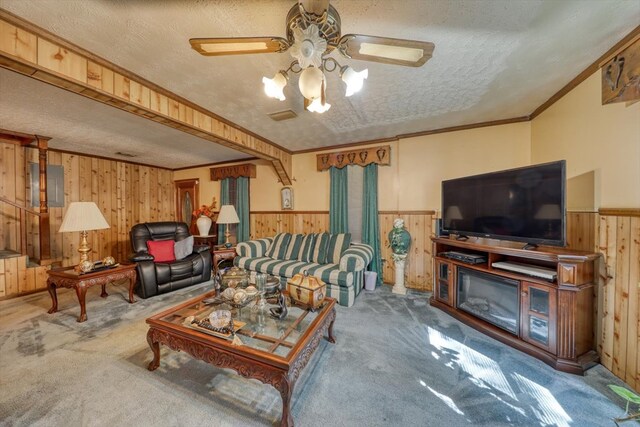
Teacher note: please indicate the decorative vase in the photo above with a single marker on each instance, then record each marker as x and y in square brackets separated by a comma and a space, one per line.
[204, 224]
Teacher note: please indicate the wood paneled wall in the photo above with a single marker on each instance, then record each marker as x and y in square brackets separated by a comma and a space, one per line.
[618, 325]
[418, 271]
[419, 263]
[16, 278]
[126, 194]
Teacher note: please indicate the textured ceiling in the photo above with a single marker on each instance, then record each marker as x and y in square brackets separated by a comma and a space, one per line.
[494, 59]
[78, 124]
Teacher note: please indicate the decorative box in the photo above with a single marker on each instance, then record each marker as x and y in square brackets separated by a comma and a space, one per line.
[307, 291]
[235, 277]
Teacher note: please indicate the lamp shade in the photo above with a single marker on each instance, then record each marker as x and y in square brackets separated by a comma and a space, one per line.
[227, 215]
[274, 87]
[316, 106]
[353, 79]
[83, 216]
[310, 83]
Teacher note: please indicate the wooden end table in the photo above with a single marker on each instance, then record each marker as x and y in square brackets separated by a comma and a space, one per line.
[221, 254]
[67, 277]
[272, 351]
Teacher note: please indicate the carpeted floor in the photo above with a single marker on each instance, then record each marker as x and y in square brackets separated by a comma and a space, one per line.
[397, 362]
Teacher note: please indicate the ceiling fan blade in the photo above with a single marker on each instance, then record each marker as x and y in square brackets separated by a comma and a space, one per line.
[239, 45]
[410, 53]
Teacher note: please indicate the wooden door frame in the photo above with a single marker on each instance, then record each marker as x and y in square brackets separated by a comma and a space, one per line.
[190, 183]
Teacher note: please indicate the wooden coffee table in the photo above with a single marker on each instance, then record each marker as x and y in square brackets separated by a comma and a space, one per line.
[67, 277]
[272, 351]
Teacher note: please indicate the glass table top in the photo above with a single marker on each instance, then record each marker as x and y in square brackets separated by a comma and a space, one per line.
[260, 331]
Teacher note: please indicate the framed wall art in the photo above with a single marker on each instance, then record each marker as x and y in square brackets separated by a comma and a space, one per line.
[286, 198]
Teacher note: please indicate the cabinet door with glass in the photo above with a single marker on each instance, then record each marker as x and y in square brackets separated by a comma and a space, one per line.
[538, 315]
[444, 282]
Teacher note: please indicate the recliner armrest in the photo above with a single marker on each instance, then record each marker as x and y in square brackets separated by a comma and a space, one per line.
[141, 256]
[198, 249]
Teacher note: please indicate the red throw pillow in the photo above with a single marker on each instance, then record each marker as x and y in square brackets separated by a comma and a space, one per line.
[162, 250]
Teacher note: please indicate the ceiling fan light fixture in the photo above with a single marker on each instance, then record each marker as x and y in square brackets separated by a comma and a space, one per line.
[274, 87]
[316, 106]
[310, 83]
[353, 79]
[309, 46]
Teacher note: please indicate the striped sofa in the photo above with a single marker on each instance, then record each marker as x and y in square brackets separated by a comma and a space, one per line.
[332, 258]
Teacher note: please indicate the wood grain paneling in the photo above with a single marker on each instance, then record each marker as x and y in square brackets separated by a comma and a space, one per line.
[419, 224]
[618, 318]
[126, 194]
[39, 54]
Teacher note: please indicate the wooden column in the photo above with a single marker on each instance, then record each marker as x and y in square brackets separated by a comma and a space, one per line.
[45, 237]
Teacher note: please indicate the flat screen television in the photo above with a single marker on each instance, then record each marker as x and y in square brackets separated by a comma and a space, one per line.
[524, 204]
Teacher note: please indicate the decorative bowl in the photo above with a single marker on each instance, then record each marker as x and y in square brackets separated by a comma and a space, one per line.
[220, 318]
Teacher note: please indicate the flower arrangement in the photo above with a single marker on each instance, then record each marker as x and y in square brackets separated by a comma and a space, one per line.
[205, 210]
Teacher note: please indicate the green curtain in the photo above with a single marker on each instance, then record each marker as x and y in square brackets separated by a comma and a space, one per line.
[224, 200]
[338, 209]
[370, 226]
[242, 208]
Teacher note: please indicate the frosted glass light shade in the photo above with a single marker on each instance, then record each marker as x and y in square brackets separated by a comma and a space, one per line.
[83, 216]
[227, 215]
[354, 79]
[317, 106]
[310, 83]
[274, 87]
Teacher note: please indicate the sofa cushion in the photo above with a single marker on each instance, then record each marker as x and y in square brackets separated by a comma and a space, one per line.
[338, 243]
[306, 249]
[254, 248]
[162, 250]
[319, 253]
[183, 248]
[329, 273]
[295, 245]
[278, 248]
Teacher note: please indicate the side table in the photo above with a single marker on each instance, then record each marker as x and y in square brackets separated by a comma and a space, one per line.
[222, 254]
[67, 277]
[211, 240]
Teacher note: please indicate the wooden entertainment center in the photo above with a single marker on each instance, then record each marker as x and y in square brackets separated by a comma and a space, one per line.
[553, 318]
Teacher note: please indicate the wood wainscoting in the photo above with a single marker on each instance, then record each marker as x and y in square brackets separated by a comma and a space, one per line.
[615, 234]
[418, 268]
[126, 193]
[618, 333]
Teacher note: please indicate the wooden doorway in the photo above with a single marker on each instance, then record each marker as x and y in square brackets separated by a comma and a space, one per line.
[187, 200]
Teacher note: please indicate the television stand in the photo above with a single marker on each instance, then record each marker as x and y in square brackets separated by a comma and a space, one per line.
[540, 301]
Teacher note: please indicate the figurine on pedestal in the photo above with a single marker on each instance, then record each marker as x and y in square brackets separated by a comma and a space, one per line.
[400, 241]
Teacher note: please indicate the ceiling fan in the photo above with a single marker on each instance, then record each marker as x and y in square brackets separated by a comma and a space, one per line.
[313, 32]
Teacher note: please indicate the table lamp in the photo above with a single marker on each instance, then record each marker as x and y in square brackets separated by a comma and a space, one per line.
[83, 217]
[227, 216]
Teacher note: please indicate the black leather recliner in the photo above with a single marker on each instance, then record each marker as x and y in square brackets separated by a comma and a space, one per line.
[160, 277]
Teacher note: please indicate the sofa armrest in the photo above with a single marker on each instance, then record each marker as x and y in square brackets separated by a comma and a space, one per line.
[356, 258]
[198, 249]
[141, 256]
[254, 248]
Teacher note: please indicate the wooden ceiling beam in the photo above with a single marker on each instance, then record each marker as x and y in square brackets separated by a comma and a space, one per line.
[19, 138]
[35, 52]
